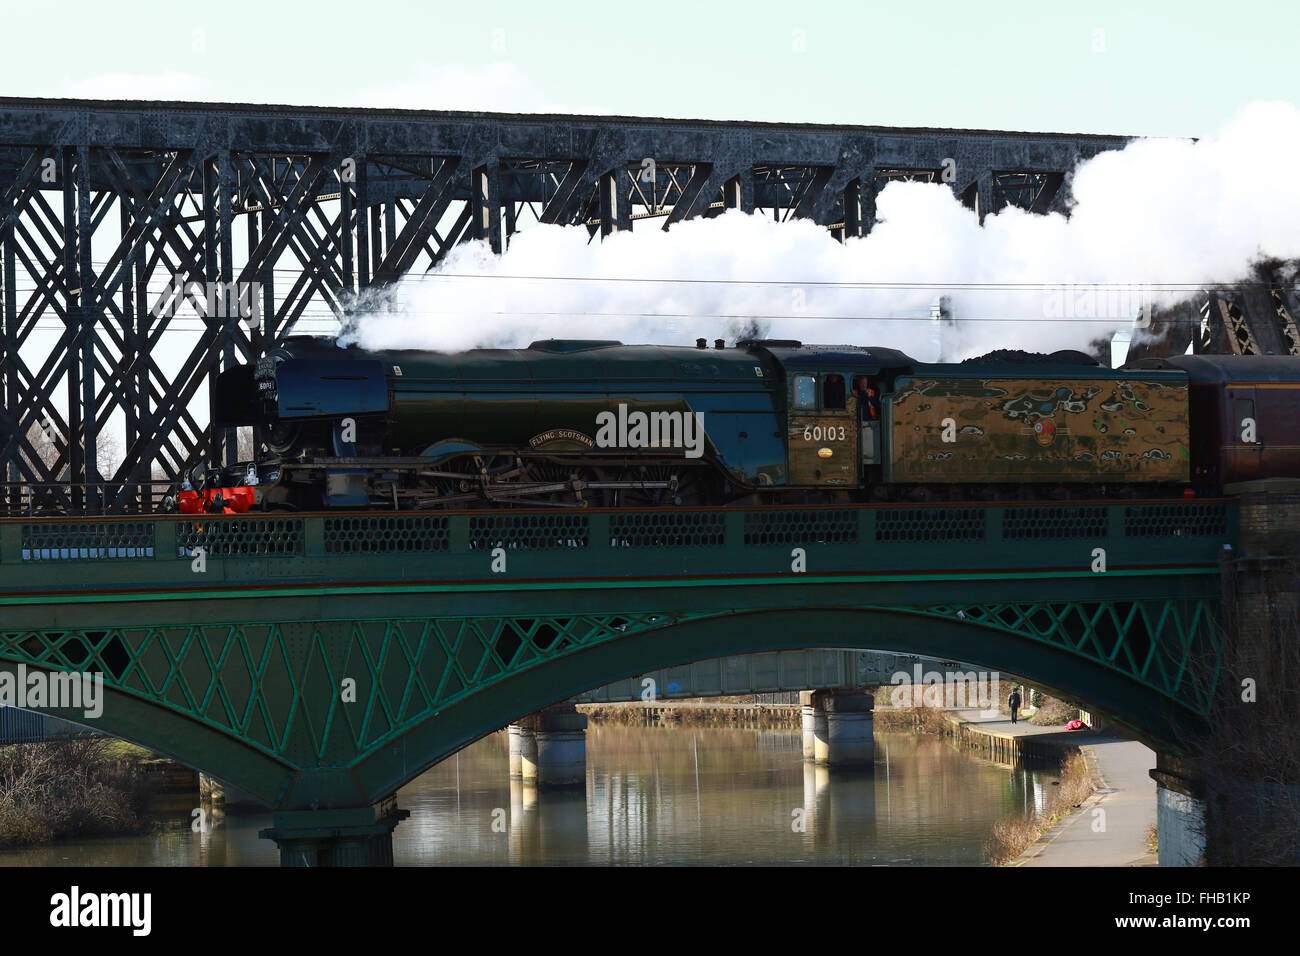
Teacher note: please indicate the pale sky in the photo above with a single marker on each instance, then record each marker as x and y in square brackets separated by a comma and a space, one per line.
[1154, 68]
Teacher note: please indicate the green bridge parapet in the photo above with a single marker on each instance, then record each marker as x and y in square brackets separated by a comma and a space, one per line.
[120, 557]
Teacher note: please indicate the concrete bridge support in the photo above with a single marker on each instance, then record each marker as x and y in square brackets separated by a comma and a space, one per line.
[523, 747]
[549, 748]
[349, 836]
[814, 726]
[1180, 813]
[838, 729]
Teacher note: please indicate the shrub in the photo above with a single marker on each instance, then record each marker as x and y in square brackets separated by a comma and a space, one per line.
[64, 789]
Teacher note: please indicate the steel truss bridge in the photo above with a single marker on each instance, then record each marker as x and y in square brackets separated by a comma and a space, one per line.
[454, 624]
[103, 205]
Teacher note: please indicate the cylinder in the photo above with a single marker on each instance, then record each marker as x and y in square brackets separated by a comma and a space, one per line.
[850, 730]
[523, 751]
[562, 756]
[516, 734]
[809, 714]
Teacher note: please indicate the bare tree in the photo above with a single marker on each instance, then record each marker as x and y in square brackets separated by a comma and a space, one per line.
[1249, 760]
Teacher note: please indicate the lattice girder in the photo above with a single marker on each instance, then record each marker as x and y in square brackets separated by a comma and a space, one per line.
[337, 693]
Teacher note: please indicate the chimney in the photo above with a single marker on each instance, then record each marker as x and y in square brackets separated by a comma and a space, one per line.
[719, 344]
[701, 343]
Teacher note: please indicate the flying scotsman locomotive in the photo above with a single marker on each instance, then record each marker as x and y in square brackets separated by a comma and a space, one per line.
[579, 423]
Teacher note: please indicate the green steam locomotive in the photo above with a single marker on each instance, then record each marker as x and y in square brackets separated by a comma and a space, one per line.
[590, 423]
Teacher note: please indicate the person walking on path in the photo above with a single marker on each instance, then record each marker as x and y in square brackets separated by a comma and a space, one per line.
[1013, 701]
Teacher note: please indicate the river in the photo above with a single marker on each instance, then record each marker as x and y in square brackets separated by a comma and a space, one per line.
[654, 796]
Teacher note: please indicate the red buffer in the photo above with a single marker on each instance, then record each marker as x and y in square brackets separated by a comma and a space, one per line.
[228, 501]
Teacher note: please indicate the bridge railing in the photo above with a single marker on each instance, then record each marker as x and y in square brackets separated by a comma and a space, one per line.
[998, 538]
[33, 499]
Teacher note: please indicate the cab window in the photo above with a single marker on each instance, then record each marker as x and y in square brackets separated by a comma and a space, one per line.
[805, 391]
[833, 395]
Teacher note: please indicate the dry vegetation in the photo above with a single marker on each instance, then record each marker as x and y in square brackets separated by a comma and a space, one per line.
[921, 720]
[1014, 834]
[1052, 712]
[1152, 840]
[687, 714]
[65, 789]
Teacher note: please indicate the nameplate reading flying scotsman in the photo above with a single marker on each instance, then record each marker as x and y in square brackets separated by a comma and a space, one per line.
[564, 435]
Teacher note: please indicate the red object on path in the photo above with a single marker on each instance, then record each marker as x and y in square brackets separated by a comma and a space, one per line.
[234, 501]
[1075, 725]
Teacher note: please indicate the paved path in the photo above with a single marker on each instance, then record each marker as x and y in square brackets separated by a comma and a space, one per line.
[1129, 812]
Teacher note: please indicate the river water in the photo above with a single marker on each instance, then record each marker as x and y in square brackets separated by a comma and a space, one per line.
[654, 795]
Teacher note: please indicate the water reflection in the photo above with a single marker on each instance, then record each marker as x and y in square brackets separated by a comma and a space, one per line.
[653, 796]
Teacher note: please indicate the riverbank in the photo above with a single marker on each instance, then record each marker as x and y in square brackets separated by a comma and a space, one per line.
[1110, 824]
[722, 712]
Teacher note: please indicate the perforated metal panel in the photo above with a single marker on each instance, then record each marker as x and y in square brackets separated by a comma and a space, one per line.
[528, 532]
[87, 540]
[930, 524]
[386, 534]
[241, 536]
[1084, 522]
[1180, 520]
[801, 526]
[667, 529]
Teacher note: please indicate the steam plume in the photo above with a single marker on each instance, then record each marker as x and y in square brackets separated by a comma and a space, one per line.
[1156, 213]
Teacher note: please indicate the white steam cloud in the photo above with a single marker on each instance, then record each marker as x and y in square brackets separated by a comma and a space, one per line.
[1150, 222]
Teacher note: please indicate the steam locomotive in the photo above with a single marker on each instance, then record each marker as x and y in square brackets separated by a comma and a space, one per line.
[579, 423]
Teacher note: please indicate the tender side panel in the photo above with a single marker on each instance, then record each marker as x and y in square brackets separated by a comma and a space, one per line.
[1042, 429]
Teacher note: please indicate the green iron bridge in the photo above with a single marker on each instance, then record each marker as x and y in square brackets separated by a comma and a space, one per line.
[320, 661]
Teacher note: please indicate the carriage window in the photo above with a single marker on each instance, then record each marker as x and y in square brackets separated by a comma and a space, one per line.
[805, 391]
[833, 393]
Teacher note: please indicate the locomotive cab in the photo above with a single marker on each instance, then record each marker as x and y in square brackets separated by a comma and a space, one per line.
[833, 404]
[823, 428]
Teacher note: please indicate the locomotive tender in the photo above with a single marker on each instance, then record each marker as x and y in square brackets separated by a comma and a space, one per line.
[576, 423]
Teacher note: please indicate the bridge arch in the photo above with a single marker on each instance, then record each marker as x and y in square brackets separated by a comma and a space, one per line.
[1150, 715]
[431, 685]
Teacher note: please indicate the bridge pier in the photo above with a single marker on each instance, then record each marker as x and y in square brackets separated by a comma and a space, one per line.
[838, 727]
[814, 726]
[523, 746]
[348, 836]
[1241, 779]
[548, 749]
[1180, 813]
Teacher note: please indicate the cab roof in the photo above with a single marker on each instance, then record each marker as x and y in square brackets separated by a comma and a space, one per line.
[793, 354]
